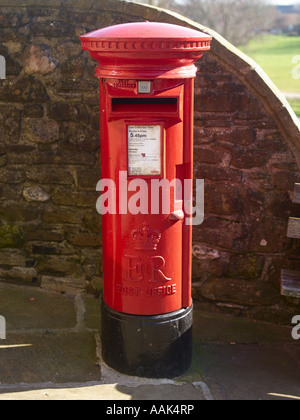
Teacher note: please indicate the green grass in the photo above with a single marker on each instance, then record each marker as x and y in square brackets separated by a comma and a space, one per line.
[295, 104]
[275, 53]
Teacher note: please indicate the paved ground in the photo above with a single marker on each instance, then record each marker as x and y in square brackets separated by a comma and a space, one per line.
[52, 351]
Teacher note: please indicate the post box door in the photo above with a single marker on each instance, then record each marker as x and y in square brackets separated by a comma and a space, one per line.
[142, 265]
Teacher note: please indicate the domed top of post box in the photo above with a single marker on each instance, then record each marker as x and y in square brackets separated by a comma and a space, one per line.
[145, 50]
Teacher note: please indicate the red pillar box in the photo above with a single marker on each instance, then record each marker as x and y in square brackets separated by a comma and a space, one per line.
[146, 72]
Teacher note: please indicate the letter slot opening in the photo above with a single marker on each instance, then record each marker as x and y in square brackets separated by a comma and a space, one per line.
[140, 105]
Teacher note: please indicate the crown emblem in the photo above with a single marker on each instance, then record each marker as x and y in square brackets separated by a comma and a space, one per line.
[145, 238]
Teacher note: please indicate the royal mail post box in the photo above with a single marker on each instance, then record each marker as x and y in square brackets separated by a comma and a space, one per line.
[146, 72]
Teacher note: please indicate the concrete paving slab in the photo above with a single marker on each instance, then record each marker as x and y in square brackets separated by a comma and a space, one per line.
[31, 308]
[48, 357]
[74, 391]
[107, 392]
[93, 312]
[214, 327]
[250, 372]
[182, 392]
[52, 351]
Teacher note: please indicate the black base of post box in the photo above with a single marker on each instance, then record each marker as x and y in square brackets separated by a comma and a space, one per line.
[157, 346]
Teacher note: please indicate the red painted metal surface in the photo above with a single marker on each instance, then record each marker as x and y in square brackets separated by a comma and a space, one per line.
[146, 50]
[146, 256]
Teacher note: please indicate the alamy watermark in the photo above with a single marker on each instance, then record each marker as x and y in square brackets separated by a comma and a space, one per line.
[173, 198]
[2, 328]
[296, 69]
[2, 67]
[296, 329]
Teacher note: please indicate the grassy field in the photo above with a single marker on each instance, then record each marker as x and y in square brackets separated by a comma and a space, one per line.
[279, 57]
[295, 104]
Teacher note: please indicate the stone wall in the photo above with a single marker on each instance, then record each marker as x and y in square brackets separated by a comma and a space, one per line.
[246, 149]
[249, 174]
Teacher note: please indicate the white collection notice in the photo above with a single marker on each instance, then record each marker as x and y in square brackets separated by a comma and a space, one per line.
[144, 150]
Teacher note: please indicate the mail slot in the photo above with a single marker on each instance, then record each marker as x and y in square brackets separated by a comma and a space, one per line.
[146, 73]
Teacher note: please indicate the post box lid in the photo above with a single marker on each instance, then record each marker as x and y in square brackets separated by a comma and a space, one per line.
[141, 32]
[142, 44]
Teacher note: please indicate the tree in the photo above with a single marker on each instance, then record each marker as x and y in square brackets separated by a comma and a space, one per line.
[236, 20]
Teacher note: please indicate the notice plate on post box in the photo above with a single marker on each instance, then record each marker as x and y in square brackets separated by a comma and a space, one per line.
[144, 150]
